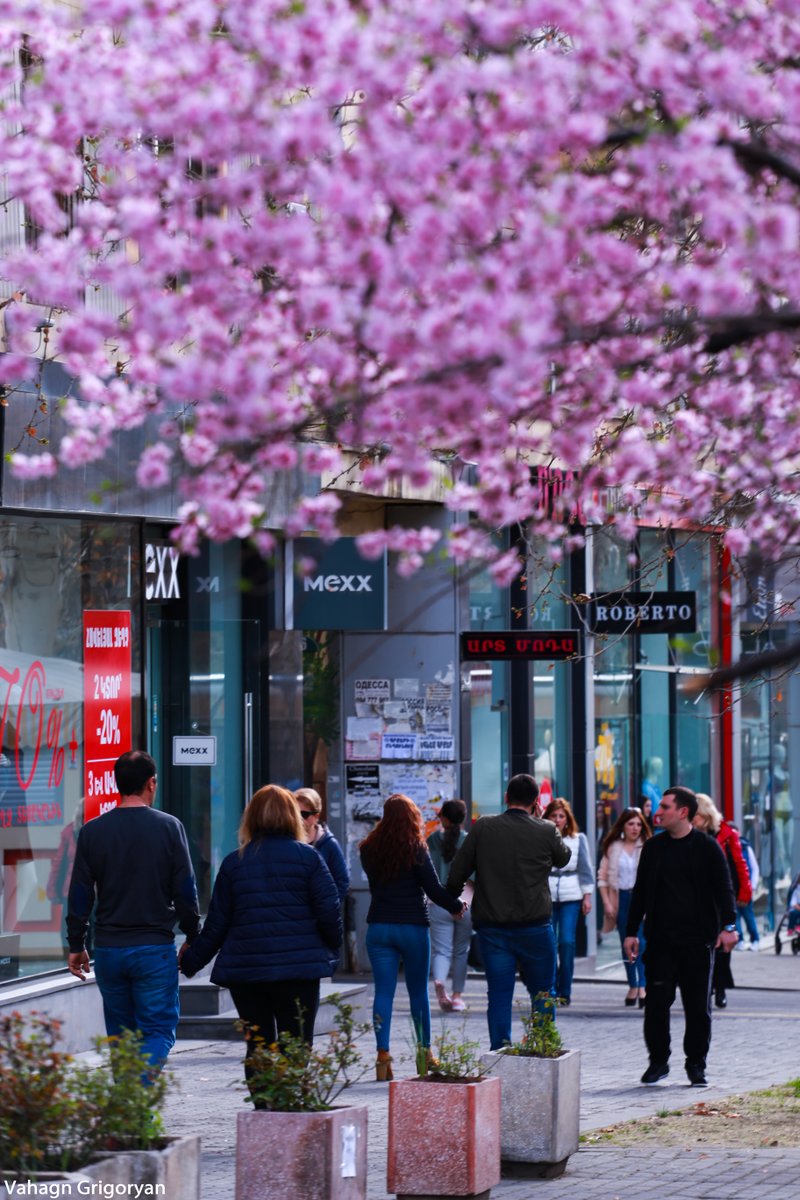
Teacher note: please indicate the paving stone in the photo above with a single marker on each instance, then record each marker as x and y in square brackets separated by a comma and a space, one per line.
[753, 1047]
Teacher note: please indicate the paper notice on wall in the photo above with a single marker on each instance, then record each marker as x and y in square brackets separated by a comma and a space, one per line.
[363, 747]
[363, 797]
[437, 717]
[371, 691]
[433, 748]
[362, 728]
[427, 784]
[439, 693]
[406, 689]
[399, 745]
[416, 714]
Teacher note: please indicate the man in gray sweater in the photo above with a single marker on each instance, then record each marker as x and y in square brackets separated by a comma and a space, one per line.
[511, 856]
[135, 861]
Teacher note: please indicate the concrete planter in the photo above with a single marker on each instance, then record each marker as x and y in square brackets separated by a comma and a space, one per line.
[540, 1125]
[316, 1156]
[444, 1138]
[175, 1167]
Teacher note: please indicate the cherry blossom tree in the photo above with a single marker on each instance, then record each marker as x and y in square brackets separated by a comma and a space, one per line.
[511, 233]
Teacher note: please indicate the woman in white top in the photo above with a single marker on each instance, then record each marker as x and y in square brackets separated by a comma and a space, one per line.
[571, 890]
[616, 875]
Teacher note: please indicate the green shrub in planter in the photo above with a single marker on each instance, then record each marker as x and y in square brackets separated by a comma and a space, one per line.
[56, 1114]
[290, 1076]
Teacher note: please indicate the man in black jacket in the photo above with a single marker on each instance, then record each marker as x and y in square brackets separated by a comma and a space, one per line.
[511, 856]
[135, 860]
[683, 893]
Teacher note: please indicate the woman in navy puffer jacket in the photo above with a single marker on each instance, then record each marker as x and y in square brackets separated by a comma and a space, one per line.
[274, 921]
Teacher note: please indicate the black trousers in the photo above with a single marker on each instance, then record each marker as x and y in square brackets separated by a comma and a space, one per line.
[282, 1006]
[669, 968]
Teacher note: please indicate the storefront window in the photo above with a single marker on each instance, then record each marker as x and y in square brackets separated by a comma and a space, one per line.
[613, 688]
[549, 591]
[51, 572]
[489, 690]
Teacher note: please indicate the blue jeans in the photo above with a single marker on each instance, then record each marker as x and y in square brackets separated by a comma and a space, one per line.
[388, 946]
[744, 912]
[139, 986]
[502, 947]
[634, 970]
[565, 925]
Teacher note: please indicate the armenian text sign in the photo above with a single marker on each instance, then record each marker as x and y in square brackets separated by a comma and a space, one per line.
[107, 704]
[524, 644]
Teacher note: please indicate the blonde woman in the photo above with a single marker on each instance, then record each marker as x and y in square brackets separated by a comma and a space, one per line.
[274, 921]
[616, 875]
[320, 837]
[709, 819]
[571, 889]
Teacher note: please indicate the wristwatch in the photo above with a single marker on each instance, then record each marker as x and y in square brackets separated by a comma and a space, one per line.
[729, 929]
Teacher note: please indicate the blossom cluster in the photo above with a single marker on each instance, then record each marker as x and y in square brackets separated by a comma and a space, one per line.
[519, 232]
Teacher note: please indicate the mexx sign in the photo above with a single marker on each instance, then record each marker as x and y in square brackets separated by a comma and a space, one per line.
[338, 583]
[342, 590]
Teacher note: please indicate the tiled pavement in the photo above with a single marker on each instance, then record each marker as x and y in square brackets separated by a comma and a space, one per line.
[755, 1044]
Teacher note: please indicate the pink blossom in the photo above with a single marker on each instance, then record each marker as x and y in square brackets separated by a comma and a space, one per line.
[153, 471]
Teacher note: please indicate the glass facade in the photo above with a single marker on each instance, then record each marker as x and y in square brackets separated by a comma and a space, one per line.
[51, 572]
[649, 731]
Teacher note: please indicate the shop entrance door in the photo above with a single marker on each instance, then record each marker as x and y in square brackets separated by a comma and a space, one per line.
[203, 691]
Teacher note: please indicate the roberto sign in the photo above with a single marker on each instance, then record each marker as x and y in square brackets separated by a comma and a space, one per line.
[552, 643]
[644, 612]
[342, 591]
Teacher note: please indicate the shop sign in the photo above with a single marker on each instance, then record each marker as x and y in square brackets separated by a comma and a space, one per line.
[342, 590]
[556, 644]
[644, 612]
[107, 704]
[161, 572]
[194, 751]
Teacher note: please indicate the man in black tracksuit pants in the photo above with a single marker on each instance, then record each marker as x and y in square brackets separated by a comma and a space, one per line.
[683, 892]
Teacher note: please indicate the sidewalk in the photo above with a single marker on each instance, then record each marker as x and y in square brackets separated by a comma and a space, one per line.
[754, 1046]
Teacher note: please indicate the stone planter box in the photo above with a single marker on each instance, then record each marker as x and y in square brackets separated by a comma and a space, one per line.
[316, 1156]
[444, 1138]
[540, 1125]
[175, 1166]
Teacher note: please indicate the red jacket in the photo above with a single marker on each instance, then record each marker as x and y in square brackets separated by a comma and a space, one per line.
[729, 841]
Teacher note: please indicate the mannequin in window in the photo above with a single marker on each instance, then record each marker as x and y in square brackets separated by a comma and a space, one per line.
[651, 784]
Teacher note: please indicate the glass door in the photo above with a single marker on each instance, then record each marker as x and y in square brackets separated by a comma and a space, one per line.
[203, 718]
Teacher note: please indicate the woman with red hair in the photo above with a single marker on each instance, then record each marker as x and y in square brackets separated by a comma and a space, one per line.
[398, 866]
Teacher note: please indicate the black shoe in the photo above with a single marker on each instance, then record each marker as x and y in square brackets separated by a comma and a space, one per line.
[655, 1072]
[720, 999]
[697, 1074]
[630, 1001]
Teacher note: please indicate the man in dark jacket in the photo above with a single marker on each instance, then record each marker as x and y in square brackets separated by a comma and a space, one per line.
[511, 856]
[135, 860]
[684, 895]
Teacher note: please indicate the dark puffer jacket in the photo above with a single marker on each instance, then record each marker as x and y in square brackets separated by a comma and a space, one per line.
[274, 914]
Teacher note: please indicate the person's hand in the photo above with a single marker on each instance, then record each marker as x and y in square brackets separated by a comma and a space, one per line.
[726, 941]
[181, 952]
[630, 948]
[587, 904]
[78, 964]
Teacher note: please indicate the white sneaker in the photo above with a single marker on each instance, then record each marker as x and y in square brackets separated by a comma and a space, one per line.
[755, 947]
[740, 946]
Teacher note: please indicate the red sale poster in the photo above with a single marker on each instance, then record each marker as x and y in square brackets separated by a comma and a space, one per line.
[106, 705]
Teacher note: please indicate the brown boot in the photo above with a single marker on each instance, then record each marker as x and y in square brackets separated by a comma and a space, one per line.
[383, 1066]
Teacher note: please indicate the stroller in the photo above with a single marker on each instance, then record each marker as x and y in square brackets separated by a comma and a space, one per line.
[791, 918]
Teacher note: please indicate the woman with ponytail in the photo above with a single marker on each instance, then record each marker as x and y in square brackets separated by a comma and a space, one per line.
[450, 938]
